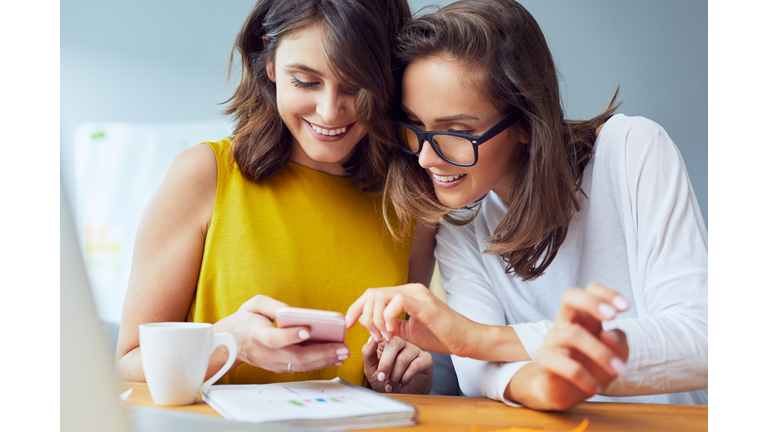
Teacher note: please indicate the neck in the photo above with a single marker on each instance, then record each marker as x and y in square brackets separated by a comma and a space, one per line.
[333, 168]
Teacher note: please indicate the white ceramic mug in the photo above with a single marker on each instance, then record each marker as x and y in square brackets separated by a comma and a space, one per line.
[175, 358]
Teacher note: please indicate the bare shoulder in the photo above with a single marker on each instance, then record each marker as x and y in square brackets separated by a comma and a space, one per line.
[187, 191]
[194, 173]
[195, 167]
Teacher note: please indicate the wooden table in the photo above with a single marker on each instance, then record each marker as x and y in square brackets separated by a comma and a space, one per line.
[454, 413]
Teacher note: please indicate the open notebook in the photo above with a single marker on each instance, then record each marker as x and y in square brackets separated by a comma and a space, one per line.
[330, 405]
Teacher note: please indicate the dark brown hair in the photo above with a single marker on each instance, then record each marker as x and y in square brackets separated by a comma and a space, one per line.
[502, 41]
[357, 44]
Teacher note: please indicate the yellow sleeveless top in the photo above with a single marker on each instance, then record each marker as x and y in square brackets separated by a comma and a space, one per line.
[303, 237]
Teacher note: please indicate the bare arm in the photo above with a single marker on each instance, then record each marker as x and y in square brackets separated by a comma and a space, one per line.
[166, 264]
[168, 252]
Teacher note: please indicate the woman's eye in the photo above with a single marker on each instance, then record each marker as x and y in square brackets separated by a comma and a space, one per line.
[413, 122]
[301, 84]
[465, 132]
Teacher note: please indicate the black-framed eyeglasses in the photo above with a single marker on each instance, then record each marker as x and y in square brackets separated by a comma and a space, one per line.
[455, 148]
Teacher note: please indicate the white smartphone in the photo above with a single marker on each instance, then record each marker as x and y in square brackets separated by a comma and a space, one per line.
[324, 326]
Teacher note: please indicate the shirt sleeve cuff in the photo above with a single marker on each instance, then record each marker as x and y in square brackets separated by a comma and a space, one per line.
[532, 336]
[495, 377]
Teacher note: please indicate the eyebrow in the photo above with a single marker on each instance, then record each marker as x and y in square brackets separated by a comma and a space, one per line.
[304, 68]
[444, 119]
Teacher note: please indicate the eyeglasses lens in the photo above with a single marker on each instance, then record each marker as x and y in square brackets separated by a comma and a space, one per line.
[455, 149]
[408, 139]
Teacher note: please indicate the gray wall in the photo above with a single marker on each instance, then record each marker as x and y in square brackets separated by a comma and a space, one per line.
[165, 61]
[143, 61]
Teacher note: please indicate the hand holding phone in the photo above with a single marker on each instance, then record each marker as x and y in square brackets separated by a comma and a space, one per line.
[324, 326]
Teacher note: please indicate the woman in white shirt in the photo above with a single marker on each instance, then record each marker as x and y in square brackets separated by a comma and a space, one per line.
[573, 253]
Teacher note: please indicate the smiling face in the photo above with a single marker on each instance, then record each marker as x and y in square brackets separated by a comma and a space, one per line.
[318, 110]
[438, 95]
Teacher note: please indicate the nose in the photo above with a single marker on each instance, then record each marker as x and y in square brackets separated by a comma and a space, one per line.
[427, 157]
[334, 107]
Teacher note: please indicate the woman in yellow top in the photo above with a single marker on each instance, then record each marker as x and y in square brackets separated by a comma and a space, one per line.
[286, 212]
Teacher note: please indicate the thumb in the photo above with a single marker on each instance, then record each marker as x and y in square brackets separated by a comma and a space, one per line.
[275, 338]
[370, 355]
[263, 305]
[404, 329]
[616, 340]
[417, 333]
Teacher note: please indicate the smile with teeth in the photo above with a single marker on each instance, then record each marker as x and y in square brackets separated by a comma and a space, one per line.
[446, 179]
[329, 132]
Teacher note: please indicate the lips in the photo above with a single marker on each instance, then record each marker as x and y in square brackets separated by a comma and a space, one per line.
[329, 134]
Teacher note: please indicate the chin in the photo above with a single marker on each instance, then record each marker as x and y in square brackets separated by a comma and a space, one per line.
[454, 202]
[328, 157]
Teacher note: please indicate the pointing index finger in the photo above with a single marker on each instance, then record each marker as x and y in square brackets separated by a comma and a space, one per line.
[354, 311]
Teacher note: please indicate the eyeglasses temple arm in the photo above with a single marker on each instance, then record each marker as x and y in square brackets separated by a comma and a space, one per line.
[504, 123]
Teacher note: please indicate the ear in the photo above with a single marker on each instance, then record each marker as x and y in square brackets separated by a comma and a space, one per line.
[271, 70]
[525, 137]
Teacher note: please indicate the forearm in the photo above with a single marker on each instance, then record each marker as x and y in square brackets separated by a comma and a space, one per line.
[129, 367]
[667, 354]
[519, 387]
[485, 379]
[220, 355]
[498, 344]
[218, 360]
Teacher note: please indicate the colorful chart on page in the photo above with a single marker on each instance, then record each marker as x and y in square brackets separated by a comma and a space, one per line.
[300, 400]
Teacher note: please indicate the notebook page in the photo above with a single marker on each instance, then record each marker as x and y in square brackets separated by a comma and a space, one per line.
[306, 400]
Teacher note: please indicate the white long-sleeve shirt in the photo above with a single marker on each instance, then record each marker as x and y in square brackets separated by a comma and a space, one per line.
[640, 233]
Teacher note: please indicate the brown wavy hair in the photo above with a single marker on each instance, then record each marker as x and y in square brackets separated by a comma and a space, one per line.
[501, 40]
[358, 37]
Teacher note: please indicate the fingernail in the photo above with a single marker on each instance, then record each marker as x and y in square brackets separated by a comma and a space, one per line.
[617, 365]
[343, 357]
[388, 327]
[399, 385]
[339, 364]
[606, 310]
[303, 334]
[385, 337]
[346, 320]
[369, 340]
[382, 376]
[612, 336]
[342, 351]
[620, 302]
[388, 388]
[374, 337]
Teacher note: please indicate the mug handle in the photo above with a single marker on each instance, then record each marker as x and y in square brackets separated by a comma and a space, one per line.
[218, 340]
